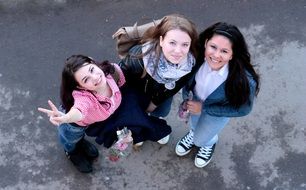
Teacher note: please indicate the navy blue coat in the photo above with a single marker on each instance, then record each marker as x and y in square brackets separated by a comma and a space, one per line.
[131, 114]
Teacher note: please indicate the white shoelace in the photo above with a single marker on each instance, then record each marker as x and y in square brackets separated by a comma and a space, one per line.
[205, 152]
[188, 140]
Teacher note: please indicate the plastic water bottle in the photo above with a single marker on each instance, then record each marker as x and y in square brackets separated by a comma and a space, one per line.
[120, 148]
[183, 112]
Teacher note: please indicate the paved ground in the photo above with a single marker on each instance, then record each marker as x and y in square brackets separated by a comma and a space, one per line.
[264, 150]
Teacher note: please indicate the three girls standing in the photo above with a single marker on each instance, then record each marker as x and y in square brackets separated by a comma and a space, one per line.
[216, 68]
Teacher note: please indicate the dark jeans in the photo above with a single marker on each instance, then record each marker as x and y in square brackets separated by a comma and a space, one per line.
[164, 109]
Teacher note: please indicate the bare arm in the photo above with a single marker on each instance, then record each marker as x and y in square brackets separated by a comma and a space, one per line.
[57, 117]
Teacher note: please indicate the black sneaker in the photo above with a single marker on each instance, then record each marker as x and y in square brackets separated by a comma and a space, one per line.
[184, 146]
[204, 155]
[90, 151]
[79, 160]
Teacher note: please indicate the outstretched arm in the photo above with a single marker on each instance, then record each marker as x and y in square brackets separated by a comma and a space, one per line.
[57, 117]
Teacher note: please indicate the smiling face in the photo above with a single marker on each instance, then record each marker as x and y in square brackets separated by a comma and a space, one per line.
[175, 45]
[90, 77]
[218, 51]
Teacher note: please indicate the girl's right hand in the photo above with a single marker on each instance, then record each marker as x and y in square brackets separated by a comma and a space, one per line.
[194, 107]
[55, 116]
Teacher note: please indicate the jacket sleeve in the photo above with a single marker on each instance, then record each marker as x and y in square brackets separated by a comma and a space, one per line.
[131, 65]
[224, 109]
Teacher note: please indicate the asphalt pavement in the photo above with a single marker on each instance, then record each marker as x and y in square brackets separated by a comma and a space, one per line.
[265, 150]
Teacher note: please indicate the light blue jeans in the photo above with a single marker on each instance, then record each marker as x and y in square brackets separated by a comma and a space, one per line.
[70, 135]
[206, 128]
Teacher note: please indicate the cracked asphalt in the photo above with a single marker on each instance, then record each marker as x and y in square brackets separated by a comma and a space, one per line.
[265, 150]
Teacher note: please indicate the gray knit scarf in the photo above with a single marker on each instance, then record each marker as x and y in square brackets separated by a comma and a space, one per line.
[166, 73]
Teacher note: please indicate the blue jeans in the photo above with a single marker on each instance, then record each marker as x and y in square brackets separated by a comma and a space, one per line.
[206, 127]
[70, 135]
[163, 109]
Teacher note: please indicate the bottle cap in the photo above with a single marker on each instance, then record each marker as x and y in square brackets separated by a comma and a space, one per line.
[118, 132]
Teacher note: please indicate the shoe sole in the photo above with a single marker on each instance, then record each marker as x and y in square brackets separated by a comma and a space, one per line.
[179, 153]
[201, 166]
[163, 141]
[138, 144]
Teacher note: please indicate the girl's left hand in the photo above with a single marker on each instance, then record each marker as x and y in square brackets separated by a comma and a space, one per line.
[194, 107]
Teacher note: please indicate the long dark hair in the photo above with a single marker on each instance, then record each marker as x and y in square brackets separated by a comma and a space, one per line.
[69, 83]
[237, 89]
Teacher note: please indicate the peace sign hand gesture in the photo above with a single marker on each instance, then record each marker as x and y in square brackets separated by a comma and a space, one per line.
[55, 116]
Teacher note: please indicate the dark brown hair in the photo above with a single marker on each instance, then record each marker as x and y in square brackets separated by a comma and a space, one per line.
[69, 83]
[237, 87]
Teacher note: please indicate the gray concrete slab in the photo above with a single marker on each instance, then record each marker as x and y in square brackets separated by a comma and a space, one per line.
[264, 150]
